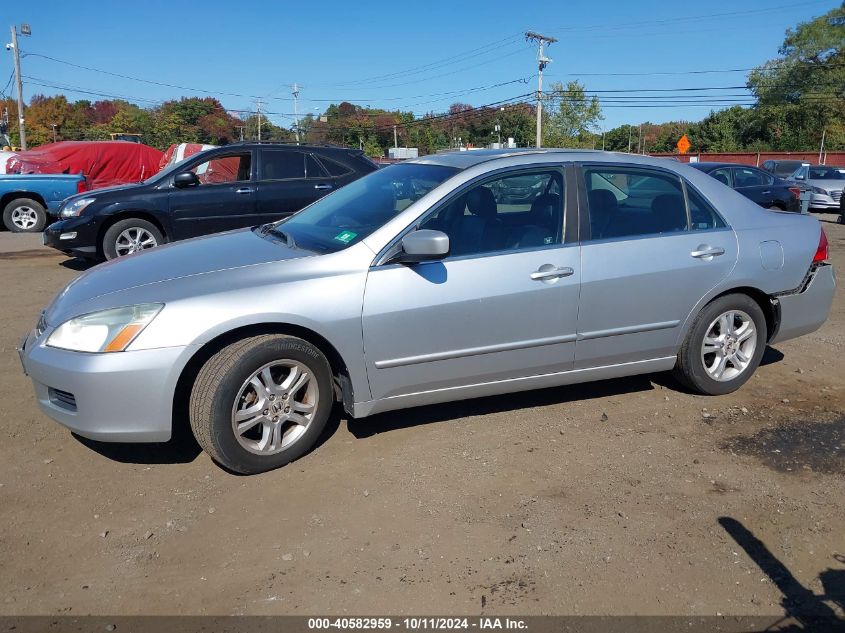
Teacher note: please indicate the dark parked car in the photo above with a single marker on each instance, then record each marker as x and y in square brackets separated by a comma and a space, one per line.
[764, 188]
[782, 168]
[223, 188]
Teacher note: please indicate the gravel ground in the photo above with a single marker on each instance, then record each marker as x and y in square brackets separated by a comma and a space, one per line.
[621, 497]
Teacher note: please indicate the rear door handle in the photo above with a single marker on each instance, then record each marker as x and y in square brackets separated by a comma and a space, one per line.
[765, 193]
[322, 187]
[547, 272]
[244, 190]
[707, 252]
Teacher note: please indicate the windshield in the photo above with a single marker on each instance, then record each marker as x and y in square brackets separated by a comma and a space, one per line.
[350, 214]
[826, 173]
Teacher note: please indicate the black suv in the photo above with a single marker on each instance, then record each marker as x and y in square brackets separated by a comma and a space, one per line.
[223, 188]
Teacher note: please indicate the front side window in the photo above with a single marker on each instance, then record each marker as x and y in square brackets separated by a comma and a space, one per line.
[224, 169]
[626, 202]
[353, 212]
[511, 212]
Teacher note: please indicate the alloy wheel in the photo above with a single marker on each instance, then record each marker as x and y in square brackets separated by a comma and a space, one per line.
[728, 346]
[274, 407]
[132, 240]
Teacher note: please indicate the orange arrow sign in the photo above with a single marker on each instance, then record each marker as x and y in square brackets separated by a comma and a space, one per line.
[683, 144]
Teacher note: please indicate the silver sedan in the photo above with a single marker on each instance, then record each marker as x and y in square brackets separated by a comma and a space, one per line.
[423, 283]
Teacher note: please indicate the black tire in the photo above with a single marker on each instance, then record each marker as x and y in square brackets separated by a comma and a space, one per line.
[24, 215]
[110, 247]
[690, 367]
[220, 382]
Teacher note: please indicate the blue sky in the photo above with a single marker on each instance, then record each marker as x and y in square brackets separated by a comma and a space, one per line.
[419, 56]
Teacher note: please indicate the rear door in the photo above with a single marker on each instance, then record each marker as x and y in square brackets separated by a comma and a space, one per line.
[755, 184]
[647, 258]
[224, 198]
[290, 179]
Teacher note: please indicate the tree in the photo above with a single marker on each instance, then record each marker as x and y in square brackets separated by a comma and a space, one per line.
[570, 116]
[800, 94]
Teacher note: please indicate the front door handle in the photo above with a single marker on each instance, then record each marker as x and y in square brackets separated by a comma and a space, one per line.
[707, 252]
[244, 190]
[765, 193]
[322, 187]
[547, 272]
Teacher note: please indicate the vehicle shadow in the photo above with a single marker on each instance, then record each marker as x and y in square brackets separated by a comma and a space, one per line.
[79, 264]
[431, 414]
[181, 449]
[806, 610]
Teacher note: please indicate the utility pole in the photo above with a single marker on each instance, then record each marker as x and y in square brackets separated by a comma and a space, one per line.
[25, 30]
[630, 132]
[542, 62]
[241, 128]
[395, 138]
[821, 149]
[295, 94]
[258, 104]
[640, 139]
[53, 125]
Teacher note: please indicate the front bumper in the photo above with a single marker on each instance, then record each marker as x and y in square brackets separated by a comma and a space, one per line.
[74, 236]
[805, 311]
[117, 397]
[825, 201]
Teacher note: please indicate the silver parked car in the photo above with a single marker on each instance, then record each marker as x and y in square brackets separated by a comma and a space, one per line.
[618, 265]
[825, 182]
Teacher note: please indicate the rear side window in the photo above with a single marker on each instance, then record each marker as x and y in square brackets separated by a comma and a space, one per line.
[627, 202]
[313, 169]
[702, 215]
[333, 167]
[748, 177]
[282, 165]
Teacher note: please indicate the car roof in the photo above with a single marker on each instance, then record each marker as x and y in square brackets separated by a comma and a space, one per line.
[716, 164]
[471, 158]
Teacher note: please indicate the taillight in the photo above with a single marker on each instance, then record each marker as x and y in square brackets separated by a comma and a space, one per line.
[821, 251]
[81, 185]
[795, 191]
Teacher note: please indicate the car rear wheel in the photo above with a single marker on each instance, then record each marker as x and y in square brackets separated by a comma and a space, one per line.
[261, 402]
[724, 346]
[24, 215]
[130, 236]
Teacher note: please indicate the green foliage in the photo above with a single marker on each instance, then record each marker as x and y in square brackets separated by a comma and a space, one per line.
[571, 118]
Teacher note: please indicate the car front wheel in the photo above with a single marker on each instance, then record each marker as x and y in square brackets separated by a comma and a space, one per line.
[261, 402]
[24, 216]
[724, 346]
[130, 236]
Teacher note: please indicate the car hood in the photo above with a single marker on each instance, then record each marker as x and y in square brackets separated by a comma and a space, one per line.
[828, 185]
[199, 256]
[96, 193]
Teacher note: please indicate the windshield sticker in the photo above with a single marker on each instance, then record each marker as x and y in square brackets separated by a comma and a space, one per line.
[345, 236]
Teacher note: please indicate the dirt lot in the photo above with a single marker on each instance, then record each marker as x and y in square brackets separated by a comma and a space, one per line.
[627, 496]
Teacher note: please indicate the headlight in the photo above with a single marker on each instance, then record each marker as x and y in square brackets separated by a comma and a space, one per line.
[106, 331]
[75, 208]
[819, 190]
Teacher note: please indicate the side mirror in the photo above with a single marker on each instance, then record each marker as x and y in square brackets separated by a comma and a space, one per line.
[185, 179]
[423, 246]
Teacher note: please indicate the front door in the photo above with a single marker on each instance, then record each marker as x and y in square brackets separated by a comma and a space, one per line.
[503, 305]
[646, 261]
[224, 198]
